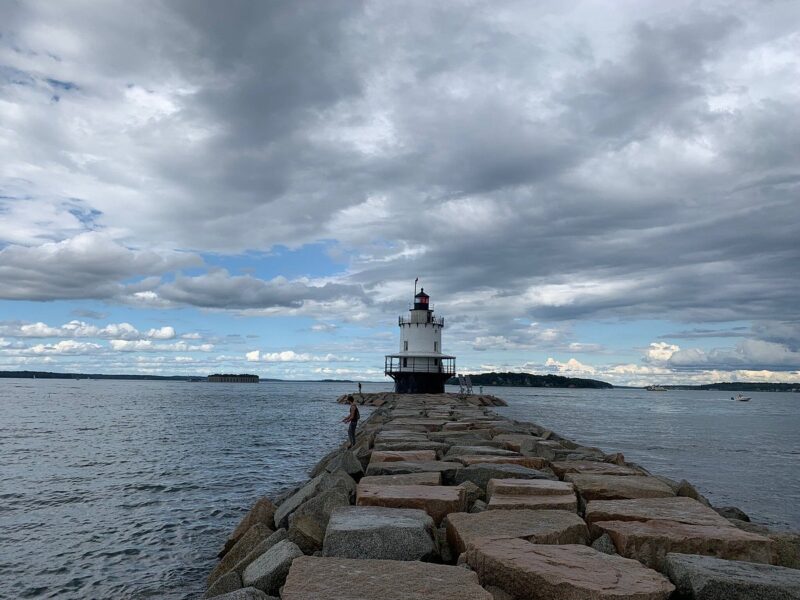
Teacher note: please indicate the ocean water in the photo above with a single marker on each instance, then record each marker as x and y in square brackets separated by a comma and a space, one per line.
[128, 489]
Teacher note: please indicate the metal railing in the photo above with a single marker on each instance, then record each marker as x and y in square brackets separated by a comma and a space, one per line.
[396, 364]
[432, 320]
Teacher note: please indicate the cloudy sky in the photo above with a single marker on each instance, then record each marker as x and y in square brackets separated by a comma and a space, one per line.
[600, 189]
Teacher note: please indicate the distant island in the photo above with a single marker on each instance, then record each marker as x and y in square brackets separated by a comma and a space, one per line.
[531, 380]
[741, 386]
[129, 377]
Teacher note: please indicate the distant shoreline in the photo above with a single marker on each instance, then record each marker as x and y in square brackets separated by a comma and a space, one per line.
[477, 381]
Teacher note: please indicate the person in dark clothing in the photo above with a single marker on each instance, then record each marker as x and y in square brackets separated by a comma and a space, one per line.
[359, 388]
[352, 418]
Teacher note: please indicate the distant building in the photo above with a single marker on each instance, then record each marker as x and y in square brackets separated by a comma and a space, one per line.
[225, 378]
[420, 367]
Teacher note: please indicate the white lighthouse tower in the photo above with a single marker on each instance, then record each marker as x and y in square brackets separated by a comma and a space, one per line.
[419, 366]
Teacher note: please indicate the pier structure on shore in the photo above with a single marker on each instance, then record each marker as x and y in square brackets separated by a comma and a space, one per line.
[420, 366]
[441, 498]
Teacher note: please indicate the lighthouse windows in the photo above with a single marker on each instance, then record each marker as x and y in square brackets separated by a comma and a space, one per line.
[405, 362]
[405, 345]
[435, 346]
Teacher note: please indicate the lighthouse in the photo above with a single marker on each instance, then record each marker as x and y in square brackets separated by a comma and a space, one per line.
[420, 367]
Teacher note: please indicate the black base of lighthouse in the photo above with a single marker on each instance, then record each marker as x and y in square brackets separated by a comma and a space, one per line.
[419, 383]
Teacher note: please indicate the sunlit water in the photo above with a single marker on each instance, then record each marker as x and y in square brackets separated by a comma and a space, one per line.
[127, 489]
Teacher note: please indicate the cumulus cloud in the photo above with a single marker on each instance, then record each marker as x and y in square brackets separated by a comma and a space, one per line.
[150, 346]
[290, 356]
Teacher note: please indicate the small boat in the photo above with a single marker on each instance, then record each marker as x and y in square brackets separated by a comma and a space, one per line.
[742, 398]
[655, 388]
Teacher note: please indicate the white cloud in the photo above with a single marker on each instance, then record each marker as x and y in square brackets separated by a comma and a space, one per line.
[660, 352]
[65, 347]
[294, 357]
[162, 333]
[150, 346]
[572, 367]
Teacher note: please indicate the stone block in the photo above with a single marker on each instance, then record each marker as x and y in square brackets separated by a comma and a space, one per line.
[262, 547]
[591, 467]
[229, 582]
[346, 461]
[307, 524]
[517, 441]
[443, 436]
[404, 479]
[438, 447]
[678, 509]
[437, 501]
[262, 511]
[529, 487]
[707, 578]
[618, 487]
[537, 526]
[559, 572]
[318, 484]
[447, 469]
[248, 593]
[456, 451]
[518, 501]
[375, 532]
[403, 455]
[268, 572]
[242, 548]
[650, 541]
[312, 578]
[532, 462]
[481, 473]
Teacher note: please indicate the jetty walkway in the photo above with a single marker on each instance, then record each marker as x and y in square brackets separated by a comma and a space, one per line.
[443, 499]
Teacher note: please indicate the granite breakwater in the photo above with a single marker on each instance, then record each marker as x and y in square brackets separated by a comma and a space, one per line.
[442, 498]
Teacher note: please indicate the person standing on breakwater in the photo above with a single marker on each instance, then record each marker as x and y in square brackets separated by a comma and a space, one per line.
[352, 418]
[359, 388]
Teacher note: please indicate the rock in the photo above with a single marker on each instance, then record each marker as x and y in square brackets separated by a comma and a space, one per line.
[650, 541]
[456, 451]
[442, 436]
[447, 469]
[374, 532]
[618, 487]
[687, 490]
[320, 483]
[532, 462]
[731, 512]
[677, 509]
[348, 579]
[604, 544]
[786, 549]
[261, 512]
[394, 437]
[230, 582]
[249, 593]
[478, 506]
[268, 572]
[242, 548]
[481, 473]
[616, 458]
[538, 526]
[403, 455]
[471, 492]
[517, 442]
[438, 447]
[346, 461]
[497, 593]
[262, 547]
[519, 501]
[442, 546]
[589, 467]
[419, 424]
[437, 501]
[529, 571]
[307, 524]
[706, 578]
[405, 479]
[529, 487]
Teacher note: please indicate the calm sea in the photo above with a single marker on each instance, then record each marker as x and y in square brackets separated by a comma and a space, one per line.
[127, 489]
